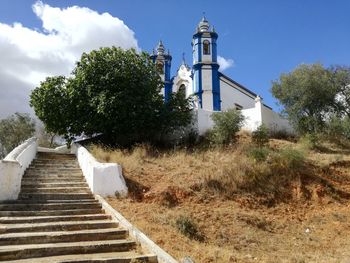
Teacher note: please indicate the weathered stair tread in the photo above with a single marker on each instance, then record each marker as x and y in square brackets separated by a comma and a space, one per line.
[49, 206]
[57, 226]
[123, 257]
[48, 201]
[43, 219]
[52, 249]
[51, 212]
[62, 236]
[56, 195]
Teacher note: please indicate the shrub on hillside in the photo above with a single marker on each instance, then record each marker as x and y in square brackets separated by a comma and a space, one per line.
[226, 125]
[260, 136]
[259, 154]
[189, 228]
[309, 141]
[338, 129]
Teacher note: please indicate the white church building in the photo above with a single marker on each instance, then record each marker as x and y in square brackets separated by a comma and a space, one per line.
[212, 90]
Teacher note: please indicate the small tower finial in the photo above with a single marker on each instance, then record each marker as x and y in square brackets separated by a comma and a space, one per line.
[183, 58]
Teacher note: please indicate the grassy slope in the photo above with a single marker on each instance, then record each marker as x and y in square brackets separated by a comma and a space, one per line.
[286, 215]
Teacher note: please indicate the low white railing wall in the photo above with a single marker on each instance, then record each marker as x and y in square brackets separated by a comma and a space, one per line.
[105, 179]
[13, 166]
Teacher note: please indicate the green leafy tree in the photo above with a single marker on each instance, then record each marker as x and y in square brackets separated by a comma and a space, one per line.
[341, 78]
[307, 95]
[226, 125]
[14, 130]
[113, 92]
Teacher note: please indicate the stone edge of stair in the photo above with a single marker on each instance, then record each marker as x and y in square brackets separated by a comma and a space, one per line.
[139, 236]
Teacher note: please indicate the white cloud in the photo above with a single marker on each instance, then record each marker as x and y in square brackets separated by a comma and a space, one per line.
[29, 55]
[225, 63]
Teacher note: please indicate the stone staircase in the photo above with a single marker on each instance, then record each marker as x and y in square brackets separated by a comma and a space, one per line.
[57, 219]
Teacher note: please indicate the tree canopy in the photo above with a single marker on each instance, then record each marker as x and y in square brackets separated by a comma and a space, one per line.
[311, 94]
[14, 130]
[111, 91]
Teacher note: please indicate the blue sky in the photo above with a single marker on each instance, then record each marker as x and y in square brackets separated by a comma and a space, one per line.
[264, 38]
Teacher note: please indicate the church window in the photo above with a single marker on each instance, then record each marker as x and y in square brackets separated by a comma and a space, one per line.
[238, 107]
[206, 47]
[160, 67]
[182, 90]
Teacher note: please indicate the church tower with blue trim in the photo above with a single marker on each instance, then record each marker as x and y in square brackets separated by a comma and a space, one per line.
[206, 83]
[163, 63]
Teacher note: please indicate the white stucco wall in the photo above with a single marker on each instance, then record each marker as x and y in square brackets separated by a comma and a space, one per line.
[231, 94]
[253, 118]
[274, 121]
[207, 88]
[204, 121]
[105, 179]
[13, 166]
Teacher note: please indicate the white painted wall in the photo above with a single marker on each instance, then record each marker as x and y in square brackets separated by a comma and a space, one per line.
[261, 114]
[13, 166]
[105, 179]
[274, 121]
[231, 94]
[207, 88]
[253, 118]
[204, 121]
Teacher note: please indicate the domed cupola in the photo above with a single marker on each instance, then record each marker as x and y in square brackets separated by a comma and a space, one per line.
[160, 48]
[203, 25]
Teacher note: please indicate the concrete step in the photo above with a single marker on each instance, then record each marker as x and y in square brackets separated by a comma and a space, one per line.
[47, 170]
[52, 179]
[107, 257]
[44, 201]
[57, 226]
[63, 236]
[56, 156]
[50, 212]
[55, 249]
[55, 164]
[57, 218]
[44, 160]
[56, 196]
[48, 206]
[32, 189]
[57, 184]
[61, 174]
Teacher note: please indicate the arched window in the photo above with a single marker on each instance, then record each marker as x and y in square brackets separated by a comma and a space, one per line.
[182, 90]
[206, 47]
[160, 67]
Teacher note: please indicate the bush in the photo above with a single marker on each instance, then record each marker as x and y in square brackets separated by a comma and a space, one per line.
[338, 128]
[260, 136]
[226, 125]
[188, 228]
[309, 141]
[259, 154]
[289, 158]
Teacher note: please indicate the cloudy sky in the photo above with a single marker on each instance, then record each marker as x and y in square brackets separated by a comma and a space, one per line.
[28, 55]
[258, 40]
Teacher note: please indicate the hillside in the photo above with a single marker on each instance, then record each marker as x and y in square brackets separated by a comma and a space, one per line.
[224, 205]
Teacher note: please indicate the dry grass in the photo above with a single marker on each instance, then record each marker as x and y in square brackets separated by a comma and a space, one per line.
[245, 210]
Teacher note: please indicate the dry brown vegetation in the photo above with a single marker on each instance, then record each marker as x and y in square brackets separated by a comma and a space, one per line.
[282, 203]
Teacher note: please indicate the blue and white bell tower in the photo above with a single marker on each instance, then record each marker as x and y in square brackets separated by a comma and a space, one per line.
[206, 83]
[163, 63]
